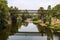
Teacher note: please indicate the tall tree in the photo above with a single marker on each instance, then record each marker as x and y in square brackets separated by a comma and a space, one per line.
[57, 12]
[15, 17]
[57, 7]
[41, 13]
[49, 14]
[41, 8]
[41, 17]
[4, 16]
[49, 7]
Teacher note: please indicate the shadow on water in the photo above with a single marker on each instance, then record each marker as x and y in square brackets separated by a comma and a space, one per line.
[5, 33]
[45, 32]
[42, 30]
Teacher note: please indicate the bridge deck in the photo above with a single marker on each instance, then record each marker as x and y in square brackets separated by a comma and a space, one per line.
[29, 34]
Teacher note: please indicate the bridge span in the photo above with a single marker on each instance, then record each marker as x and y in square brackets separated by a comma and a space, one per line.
[29, 34]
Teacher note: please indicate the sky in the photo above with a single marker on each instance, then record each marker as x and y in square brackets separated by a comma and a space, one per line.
[32, 4]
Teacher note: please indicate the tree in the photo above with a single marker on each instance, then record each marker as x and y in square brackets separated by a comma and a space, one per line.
[16, 19]
[49, 7]
[57, 12]
[25, 14]
[41, 17]
[41, 13]
[41, 8]
[49, 14]
[4, 16]
[57, 7]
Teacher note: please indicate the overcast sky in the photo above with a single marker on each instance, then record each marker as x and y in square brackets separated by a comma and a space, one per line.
[32, 4]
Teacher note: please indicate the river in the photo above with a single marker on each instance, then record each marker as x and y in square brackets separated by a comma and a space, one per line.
[31, 28]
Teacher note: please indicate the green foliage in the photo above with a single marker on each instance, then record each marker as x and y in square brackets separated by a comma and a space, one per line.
[41, 8]
[57, 27]
[57, 8]
[25, 14]
[4, 16]
[25, 23]
[49, 7]
[24, 17]
[41, 13]
[49, 14]
[16, 20]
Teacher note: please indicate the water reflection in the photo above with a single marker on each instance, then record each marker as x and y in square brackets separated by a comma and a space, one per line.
[28, 38]
[32, 28]
[33, 37]
[29, 28]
